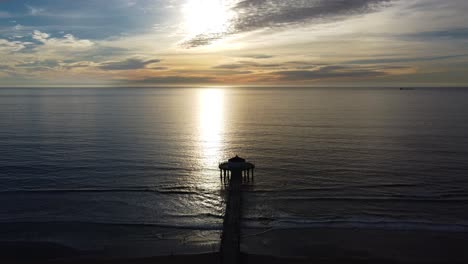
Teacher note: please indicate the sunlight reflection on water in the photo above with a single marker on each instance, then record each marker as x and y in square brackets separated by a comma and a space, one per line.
[210, 125]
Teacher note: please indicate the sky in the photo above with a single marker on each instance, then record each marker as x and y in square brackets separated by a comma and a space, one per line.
[233, 42]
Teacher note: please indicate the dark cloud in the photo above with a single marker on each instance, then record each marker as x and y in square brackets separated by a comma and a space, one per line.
[229, 66]
[303, 65]
[391, 67]
[257, 56]
[204, 39]
[238, 72]
[159, 68]
[128, 64]
[329, 72]
[402, 60]
[214, 72]
[450, 34]
[175, 80]
[101, 52]
[77, 64]
[247, 64]
[254, 15]
[39, 64]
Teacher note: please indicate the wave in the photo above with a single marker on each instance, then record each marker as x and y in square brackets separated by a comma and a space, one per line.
[413, 199]
[189, 190]
[263, 223]
[298, 195]
[171, 190]
[333, 188]
[210, 215]
[97, 224]
[84, 190]
[385, 224]
[46, 168]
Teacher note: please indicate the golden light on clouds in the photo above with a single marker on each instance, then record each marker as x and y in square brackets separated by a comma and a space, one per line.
[233, 42]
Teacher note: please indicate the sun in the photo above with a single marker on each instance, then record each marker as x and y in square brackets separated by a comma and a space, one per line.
[206, 16]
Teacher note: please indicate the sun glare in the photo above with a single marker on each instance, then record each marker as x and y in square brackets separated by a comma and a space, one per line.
[206, 16]
[211, 124]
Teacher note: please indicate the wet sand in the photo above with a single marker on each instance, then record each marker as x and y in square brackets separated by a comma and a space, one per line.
[284, 246]
[342, 245]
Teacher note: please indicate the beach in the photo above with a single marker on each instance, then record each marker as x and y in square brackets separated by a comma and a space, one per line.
[282, 246]
[361, 245]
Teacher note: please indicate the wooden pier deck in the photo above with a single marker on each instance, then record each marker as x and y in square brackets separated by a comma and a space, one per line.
[230, 240]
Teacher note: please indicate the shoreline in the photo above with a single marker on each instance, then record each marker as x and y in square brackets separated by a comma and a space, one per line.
[214, 258]
[324, 245]
[393, 246]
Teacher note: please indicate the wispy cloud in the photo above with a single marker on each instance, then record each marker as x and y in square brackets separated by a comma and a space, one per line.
[406, 59]
[247, 64]
[4, 14]
[252, 15]
[175, 80]
[34, 11]
[5, 67]
[257, 14]
[450, 34]
[257, 56]
[38, 63]
[329, 72]
[12, 46]
[262, 41]
[128, 64]
[68, 40]
[40, 36]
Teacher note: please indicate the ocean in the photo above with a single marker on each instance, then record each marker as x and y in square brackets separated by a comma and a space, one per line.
[134, 171]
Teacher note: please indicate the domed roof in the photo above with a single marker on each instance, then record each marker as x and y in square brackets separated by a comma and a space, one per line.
[237, 159]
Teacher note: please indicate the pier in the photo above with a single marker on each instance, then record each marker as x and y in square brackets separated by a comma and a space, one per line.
[234, 172]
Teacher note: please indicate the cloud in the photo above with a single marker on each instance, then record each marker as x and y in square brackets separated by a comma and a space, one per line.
[79, 64]
[450, 34]
[67, 41]
[229, 66]
[18, 27]
[39, 64]
[175, 80]
[128, 64]
[100, 52]
[303, 65]
[159, 68]
[252, 15]
[12, 46]
[257, 56]
[256, 14]
[329, 72]
[34, 11]
[247, 64]
[4, 14]
[406, 59]
[213, 72]
[5, 67]
[204, 39]
[40, 36]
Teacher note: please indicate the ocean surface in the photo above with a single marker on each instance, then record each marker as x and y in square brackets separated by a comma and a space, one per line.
[135, 170]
